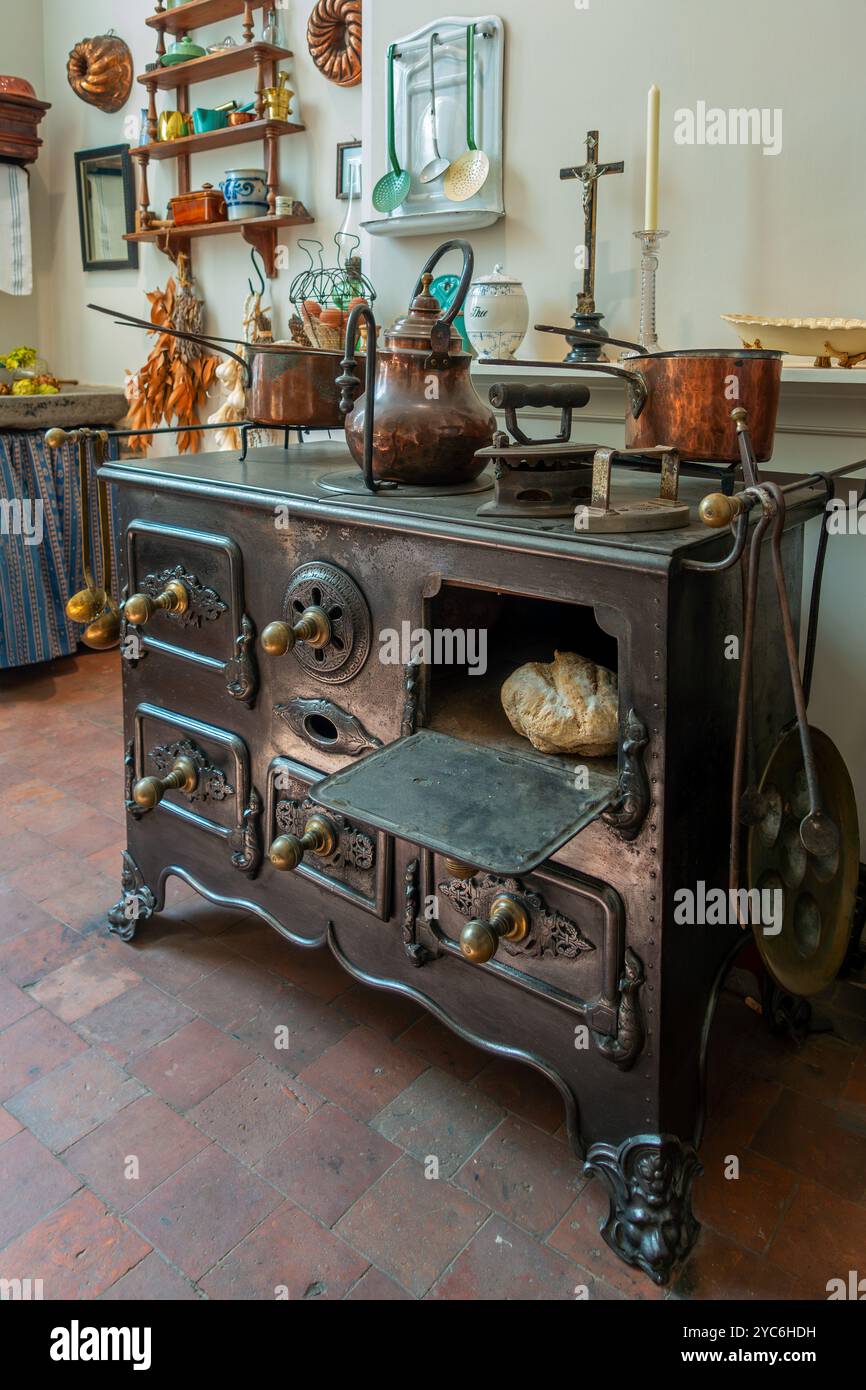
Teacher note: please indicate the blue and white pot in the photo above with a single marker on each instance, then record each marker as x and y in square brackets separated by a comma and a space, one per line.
[497, 315]
[246, 193]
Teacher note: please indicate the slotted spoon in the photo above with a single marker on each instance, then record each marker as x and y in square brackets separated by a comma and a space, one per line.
[392, 187]
[468, 174]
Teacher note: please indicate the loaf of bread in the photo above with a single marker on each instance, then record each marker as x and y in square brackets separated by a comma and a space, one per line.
[569, 705]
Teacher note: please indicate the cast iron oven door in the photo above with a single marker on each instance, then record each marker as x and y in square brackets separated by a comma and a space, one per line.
[486, 807]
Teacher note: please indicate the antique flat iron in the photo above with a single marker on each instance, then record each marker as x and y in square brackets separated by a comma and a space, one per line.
[554, 477]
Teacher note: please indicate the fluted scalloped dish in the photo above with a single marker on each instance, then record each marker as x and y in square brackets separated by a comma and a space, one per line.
[842, 340]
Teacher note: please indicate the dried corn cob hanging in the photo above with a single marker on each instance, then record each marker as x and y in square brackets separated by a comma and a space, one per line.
[174, 382]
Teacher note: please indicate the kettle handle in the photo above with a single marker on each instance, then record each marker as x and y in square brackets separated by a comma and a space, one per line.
[448, 318]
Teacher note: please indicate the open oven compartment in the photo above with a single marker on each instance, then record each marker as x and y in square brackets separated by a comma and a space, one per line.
[502, 632]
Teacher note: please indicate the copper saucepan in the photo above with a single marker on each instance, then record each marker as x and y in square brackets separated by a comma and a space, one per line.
[684, 399]
[287, 386]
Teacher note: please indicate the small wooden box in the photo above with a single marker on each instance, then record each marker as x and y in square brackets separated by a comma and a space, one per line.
[206, 204]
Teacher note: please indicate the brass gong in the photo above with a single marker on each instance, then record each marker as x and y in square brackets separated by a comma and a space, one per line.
[818, 892]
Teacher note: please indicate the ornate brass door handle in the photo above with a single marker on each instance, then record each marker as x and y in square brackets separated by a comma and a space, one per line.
[149, 792]
[320, 837]
[140, 608]
[509, 918]
[313, 627]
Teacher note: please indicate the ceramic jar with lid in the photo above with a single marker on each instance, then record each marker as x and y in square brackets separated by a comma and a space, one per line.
[497, 314]
[246, 193]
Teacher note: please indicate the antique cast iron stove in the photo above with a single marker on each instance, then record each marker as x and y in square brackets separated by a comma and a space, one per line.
[280, 760]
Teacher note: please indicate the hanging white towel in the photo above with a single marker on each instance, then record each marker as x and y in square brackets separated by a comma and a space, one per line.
[16, 252]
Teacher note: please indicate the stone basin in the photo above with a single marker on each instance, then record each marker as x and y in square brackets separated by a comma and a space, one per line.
[82, 405]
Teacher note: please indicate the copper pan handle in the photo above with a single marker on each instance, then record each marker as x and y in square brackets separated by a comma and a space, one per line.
[587, 337]
[638, 391]
[128, 321]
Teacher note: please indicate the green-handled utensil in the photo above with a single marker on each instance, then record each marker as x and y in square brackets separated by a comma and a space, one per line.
[392, 188]
[468, 174]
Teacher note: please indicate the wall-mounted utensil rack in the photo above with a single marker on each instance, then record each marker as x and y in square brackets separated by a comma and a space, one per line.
[426, 209]
[260, 232]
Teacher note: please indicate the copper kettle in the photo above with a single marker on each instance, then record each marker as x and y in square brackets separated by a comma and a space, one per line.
[428, 422]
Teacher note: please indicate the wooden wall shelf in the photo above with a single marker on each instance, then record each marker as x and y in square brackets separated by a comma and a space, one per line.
[216, 139]
[238, 59]
[259, 232]
[195, 14]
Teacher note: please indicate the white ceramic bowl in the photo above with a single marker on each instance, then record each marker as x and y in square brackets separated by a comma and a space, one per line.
[822, 339]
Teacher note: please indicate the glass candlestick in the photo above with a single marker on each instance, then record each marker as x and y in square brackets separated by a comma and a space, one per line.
[649, 264]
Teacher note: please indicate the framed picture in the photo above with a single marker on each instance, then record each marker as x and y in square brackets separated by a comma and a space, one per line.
[349, 170]
[106, 208]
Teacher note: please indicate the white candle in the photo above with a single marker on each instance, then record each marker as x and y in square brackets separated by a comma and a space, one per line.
[651, 211]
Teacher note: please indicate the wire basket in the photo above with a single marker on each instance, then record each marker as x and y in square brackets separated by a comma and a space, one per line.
[322, 296]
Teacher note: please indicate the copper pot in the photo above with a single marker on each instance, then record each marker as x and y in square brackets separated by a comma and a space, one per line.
[683, 400]
[288, 387]
[295, 386]
[429, 421]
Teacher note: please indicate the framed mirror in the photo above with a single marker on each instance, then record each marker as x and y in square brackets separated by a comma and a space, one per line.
[106, 208]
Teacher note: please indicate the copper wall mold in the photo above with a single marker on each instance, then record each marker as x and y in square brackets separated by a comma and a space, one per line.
[360, 870]
[233, 789]
[334, 40]
[238, 667]
[326, 586]
[326, 726]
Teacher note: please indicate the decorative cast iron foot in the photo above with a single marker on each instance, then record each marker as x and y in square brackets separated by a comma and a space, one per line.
[649, 1183]
[137, 903]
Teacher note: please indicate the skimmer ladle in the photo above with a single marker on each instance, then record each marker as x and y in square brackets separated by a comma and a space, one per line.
[468, 174]
[392, 187]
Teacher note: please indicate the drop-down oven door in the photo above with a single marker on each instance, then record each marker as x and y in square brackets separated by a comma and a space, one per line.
[482, 806]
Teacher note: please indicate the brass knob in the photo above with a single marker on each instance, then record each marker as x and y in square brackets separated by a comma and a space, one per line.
[140, 608]
[319, 837]
[56, 438]
[150, 790]
[458, 869]
[509, 919]
[313, 627]
[717, 510]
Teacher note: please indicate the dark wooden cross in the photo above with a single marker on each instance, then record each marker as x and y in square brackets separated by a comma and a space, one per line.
[589, 175]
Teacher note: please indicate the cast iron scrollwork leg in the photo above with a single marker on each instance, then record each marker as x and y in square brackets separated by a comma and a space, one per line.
[649, 1182]
[628, 813]
[137, 903]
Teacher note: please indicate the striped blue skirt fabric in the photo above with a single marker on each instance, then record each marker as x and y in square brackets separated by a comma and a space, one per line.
[41, 546]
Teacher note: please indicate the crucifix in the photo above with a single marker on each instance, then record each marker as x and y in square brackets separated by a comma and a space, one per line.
[586, 318]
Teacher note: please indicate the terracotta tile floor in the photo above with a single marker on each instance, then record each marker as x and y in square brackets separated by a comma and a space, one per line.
[153, 1144]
